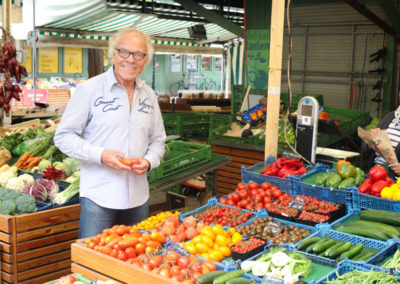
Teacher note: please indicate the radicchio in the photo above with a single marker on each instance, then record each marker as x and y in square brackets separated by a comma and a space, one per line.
[38, 191]
[51, 187]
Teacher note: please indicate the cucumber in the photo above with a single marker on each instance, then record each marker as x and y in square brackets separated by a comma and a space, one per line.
[310, 248]
[358, 256]
[386, 217]
[228, 276]
[324, 246]
[305, 243]
[388, 230]
[240, 280]
[366, 256]
[335, 246]
[363, 231]
[351, 252]
[208, 278]
[338, 251]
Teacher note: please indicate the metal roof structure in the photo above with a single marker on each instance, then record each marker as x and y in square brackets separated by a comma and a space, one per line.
[166, 21]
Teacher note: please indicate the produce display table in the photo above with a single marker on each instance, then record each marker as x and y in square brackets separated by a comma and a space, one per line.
[36, 247]
[92, 264]
[210, 167]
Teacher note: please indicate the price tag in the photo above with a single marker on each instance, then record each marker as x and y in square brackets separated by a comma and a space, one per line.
[296, 205]
[271, 280]
[273, 227]
[394, 271]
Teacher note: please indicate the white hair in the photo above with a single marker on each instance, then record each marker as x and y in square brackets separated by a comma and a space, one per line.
[112, 44]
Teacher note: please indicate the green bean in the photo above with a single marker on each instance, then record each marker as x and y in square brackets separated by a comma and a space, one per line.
[364, 277]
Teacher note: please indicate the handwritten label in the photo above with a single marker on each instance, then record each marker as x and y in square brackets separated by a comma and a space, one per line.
[267, 279]
[274, 228]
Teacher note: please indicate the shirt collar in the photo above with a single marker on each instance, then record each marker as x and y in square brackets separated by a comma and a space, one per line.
[111, 80]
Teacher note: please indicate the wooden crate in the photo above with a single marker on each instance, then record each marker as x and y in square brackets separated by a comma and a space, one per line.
[36, 247]
[89, 263]
[230, 175]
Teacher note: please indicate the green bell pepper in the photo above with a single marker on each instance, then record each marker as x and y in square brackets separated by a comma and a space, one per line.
[346, 170]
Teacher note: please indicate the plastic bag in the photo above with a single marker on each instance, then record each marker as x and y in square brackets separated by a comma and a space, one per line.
[26, 145]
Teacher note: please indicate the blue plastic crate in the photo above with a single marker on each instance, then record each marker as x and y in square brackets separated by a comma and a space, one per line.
[320, 192]
[382, 255]
[50, 205]
[366, 201]
[313, 230]
[313, 258]
[374, 244]
[211, 202]
[348, 266]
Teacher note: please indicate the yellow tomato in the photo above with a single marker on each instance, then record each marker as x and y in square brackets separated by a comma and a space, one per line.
[217, 229]
[226, 252]
[201, 247]
[205, 255]
[221, 240]
[197, 239]
[209, 233]
[216, 255]
[236, 237]
[216, 246]
[191, 248]
[207, 241]
[231, 231]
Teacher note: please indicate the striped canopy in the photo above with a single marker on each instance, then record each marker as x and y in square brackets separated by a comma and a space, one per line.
[97, 21]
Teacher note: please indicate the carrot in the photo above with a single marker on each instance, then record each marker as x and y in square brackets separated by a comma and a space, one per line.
[22, 159]
[33, 163]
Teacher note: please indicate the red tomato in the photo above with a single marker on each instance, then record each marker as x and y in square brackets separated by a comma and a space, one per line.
[267, 199]
[140, 248]
[155, 261]
[175, 270]
[241, 186]
[134, 161]
[231, 203]
[276, 192]
[253, 192]
[125, 161]
[235, 197]
[253, 185]
[121, 255]
[210, 264]
[242, 194]
[130, 252]
[183, 262]
[265, 185]
[173, 257]
[165, 273]
[223, 201]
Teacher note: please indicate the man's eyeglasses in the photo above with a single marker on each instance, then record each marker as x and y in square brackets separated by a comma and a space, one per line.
[139, 56]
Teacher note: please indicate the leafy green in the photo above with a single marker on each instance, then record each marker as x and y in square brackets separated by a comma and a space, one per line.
[11, 141]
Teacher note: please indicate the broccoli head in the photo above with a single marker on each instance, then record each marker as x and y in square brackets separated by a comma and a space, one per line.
[7, 207]
[11, 194]
[3, 192]
[25, 204]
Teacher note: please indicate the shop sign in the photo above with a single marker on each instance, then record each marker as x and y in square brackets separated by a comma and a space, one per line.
[41, 97]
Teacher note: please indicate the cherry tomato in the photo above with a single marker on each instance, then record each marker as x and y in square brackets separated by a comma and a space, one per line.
[125, 161]
[155, 261]
[183, 262]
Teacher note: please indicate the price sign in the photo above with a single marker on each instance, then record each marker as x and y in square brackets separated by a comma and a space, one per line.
[41, 96]
[273, 227]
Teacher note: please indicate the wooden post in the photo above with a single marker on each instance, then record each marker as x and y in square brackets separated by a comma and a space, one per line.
[274, 77]
[6, 119]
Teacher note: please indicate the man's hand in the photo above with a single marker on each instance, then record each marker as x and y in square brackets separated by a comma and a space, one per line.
[142, 167]
[374, 130]
[111, 158]
[396, 168]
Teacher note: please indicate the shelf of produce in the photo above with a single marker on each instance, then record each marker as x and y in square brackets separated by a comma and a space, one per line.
[36, 247]
[89, 261]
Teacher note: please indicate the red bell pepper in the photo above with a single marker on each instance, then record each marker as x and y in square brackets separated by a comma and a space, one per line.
[365, 187]
[389, 181]
[377, 187]
[270, 170]
[378, 172]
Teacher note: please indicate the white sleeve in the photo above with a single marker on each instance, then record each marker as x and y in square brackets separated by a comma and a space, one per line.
[74, 120]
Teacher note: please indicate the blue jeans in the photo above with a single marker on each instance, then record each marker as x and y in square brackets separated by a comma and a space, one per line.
[94, 218]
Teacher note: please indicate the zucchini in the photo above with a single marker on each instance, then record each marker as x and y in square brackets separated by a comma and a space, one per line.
[209, 277]
[388, 230]
[241, 280]
[228, 276]
[305, 243]
[351, 252]
[324, 246]
[310, 248]
[363, 231]
[335, 246]
[338, 251]
[386, 217]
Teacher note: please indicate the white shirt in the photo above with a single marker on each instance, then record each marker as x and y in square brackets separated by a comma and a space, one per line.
[97, 118]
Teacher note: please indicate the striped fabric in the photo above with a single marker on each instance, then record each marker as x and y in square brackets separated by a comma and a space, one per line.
[236, 61]
[394, 136]
[97, 18]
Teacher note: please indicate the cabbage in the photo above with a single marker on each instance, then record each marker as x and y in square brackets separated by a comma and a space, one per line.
[44, 164]
[38, 191]
[27, 189]
[51, 187]
[76, 174]
[70, 179]
[59, 166]
[71, 165]
[27, 179]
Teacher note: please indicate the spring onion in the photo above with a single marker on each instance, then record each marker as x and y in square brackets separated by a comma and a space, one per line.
[68, 193]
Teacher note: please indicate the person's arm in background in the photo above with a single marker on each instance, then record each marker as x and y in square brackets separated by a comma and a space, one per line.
[156, 147]
[68, 135]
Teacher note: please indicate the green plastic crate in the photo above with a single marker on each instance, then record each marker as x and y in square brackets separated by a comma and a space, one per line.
[238, 94]
[190, 131]
[184, 119]
[218, 134]
[183, 156]
[349, 119]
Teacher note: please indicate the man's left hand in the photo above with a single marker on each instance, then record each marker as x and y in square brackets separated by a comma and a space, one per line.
[142, 167]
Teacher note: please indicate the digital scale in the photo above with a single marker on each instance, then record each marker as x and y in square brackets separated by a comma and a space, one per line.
[307, 128]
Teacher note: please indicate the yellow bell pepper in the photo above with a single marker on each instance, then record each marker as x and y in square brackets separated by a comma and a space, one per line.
[396, 195]
[387, 192]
